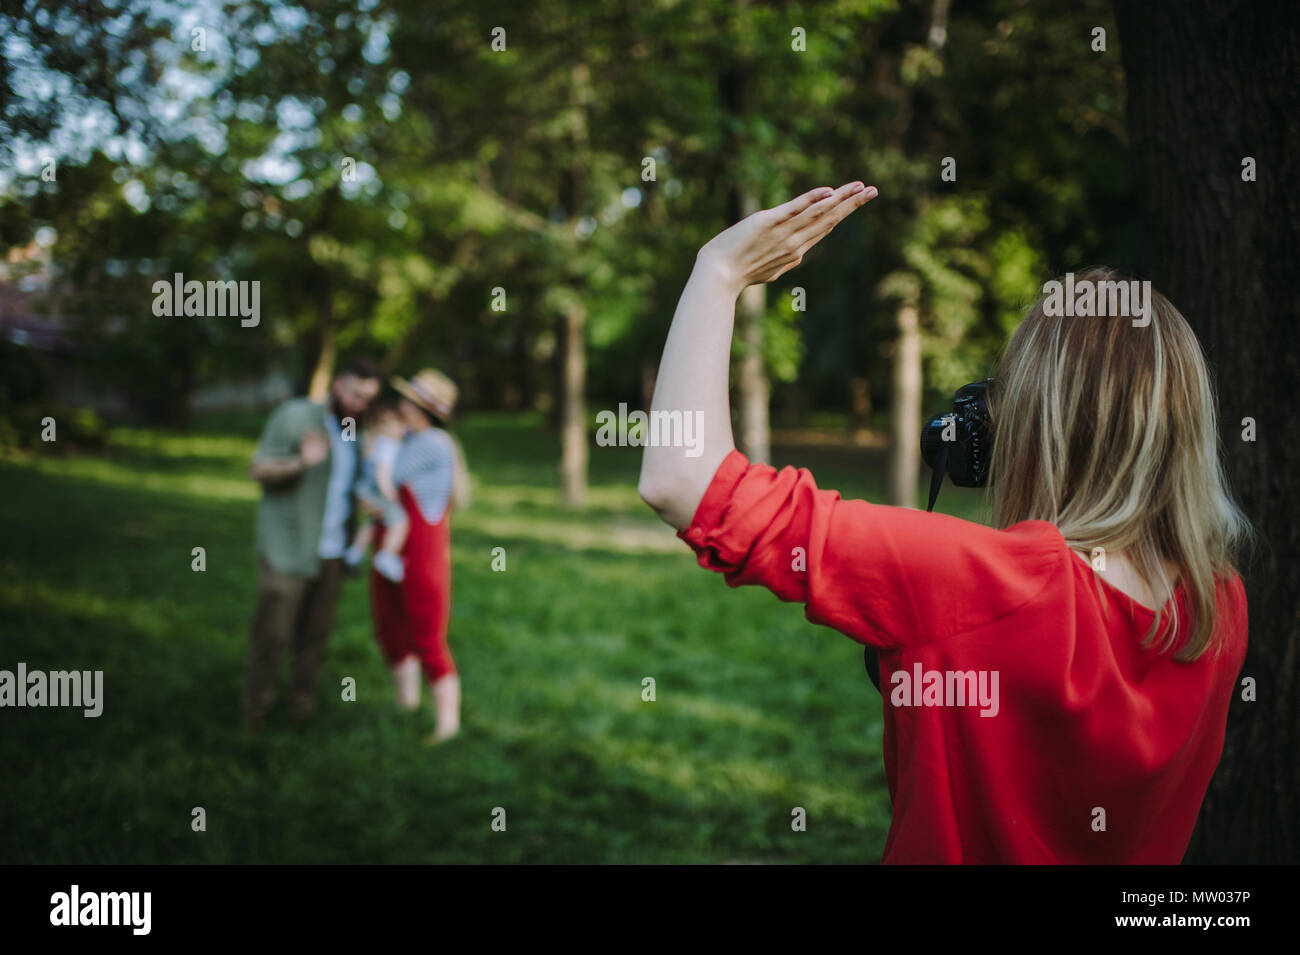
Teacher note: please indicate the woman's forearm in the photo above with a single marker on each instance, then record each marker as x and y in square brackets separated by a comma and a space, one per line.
[694, 370]
[693, 379]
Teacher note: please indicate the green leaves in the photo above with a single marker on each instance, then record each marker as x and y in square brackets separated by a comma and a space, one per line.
[474, 168]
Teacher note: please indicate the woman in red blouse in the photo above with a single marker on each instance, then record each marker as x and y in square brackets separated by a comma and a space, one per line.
[1056, 686]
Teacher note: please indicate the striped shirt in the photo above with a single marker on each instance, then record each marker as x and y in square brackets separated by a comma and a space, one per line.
[426, 464]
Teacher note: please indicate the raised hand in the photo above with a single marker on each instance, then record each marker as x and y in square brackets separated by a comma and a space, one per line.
[771, 242]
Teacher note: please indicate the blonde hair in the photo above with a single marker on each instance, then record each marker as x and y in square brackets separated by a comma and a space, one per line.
[1109, 431]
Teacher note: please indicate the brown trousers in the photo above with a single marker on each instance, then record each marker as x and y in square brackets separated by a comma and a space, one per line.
[296, 612]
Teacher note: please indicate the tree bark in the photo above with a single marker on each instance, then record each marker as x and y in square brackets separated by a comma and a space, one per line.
[753, 389]
[318, 388]
[573, 409]
[752, 386]
[922, 110]
[905, 456]
[1209, 84]
[573, 385]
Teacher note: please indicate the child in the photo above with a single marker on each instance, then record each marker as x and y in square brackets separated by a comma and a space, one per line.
[383, 435]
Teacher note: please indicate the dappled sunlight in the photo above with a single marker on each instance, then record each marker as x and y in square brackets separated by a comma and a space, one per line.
[699, 776]
[617, 534]
[611, 498]
[40, 597]
[125, 474]
[215, 446]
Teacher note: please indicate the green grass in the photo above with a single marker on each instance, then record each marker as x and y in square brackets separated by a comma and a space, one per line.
[757, 710]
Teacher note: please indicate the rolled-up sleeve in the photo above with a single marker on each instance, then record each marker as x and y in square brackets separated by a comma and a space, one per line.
[885, 576]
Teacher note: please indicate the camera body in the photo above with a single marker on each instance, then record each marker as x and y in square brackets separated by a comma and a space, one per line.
[960, 442]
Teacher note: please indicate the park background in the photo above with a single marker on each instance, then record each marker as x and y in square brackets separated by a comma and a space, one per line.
[515, 193]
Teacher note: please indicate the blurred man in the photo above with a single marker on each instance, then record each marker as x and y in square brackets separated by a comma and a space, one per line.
[306, 463]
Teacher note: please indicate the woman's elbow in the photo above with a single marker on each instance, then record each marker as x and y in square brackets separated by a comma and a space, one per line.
[658, 485]
[669, 496]
[653, 488]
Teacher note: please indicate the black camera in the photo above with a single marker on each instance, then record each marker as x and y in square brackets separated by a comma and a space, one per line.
[959, 444]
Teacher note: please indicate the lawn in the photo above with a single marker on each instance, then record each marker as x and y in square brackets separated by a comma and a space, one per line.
[757, 711]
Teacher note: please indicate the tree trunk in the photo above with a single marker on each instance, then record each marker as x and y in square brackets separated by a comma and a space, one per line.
[905, 456]
[753, 430]
[923, 126]
[1208, 85]
[318, 388]
[573, 385]
[573, 409]
[752, 387]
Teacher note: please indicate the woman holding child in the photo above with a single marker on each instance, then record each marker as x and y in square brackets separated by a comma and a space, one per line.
[411, 589]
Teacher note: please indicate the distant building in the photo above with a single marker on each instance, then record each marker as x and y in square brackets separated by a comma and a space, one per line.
[26, 278]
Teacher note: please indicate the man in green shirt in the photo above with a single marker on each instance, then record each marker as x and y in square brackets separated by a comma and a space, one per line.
[306, 462]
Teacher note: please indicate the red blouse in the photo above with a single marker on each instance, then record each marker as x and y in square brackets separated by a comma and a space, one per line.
[1023, 721]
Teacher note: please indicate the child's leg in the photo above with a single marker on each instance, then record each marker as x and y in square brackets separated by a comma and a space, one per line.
[388, 559]
[396, 528]
[354, 555]
[361, 539]
[395, 539]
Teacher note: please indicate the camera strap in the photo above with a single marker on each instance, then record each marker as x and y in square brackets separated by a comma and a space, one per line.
[936, 480]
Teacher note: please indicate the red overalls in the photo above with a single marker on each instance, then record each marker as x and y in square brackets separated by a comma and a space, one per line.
[411, 617]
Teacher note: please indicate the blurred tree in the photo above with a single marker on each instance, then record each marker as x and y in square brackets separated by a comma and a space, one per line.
[529, 120]
[384, 168]
[303, 106]
[59, 62]
[120, 228]
[741, 106]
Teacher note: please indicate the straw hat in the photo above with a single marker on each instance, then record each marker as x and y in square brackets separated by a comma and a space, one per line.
[431, 390]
